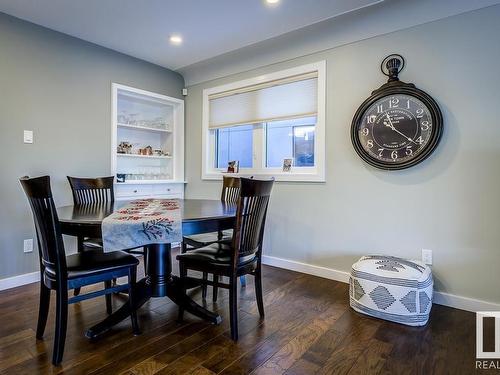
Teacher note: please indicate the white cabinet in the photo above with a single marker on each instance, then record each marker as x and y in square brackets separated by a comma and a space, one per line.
[147, 144]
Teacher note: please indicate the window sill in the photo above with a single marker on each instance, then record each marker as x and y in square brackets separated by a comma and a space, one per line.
[280, 176]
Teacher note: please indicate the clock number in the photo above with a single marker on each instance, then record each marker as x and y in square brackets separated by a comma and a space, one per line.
[424, 125]
[420, 113]
[380, 152]
[394, 155]
[408, 104]
[394, 103]
[370, 119]
[409, 151]
[365, 131]
[369, 144]
[380, 108]
[419, 140]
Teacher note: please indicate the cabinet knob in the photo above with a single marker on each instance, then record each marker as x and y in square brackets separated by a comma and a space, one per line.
[168, 189]
[135, 191]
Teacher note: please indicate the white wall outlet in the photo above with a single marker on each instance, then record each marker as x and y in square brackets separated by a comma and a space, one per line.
[28, 136]
[28, 245]
[427, 256]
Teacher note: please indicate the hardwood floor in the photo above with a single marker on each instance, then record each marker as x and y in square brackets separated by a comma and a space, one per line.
[309, 329]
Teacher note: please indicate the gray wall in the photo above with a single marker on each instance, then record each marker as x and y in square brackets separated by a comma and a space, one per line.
[59, 87]
[449, 203]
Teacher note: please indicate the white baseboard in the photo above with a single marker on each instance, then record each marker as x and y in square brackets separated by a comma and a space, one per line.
[464, 303]
[441, 298]
[327, 273]
[12, 282]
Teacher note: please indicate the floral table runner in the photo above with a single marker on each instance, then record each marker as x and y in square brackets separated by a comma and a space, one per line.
[142, 222]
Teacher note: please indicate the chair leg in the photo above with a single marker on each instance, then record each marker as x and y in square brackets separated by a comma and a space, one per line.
[215, 287]
[233, 307]
[243, 281]
[182, 274]
[258, 291]
[79, 248]
[43, 310]
[204, 286]
[109, 305]
[183, 248]
[61, 324]
[132, 278]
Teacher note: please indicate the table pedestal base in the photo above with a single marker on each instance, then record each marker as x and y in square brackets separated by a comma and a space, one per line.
[159, 282]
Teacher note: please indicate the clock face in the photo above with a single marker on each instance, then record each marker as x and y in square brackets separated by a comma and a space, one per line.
[394, 131]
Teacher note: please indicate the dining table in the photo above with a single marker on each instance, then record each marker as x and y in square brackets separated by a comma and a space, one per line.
[198, 216]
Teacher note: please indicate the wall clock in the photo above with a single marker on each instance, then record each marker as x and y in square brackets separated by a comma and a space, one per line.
[399, 125]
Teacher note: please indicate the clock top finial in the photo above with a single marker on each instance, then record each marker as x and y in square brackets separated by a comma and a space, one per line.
[392, 65]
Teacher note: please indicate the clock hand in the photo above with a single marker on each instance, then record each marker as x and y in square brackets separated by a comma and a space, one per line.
[391, 125]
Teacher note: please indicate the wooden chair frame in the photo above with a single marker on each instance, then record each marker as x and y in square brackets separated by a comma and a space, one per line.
[246, 249]
[53, 258]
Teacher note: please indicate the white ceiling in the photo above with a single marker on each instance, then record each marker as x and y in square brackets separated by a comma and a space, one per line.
[141, 28]
[388, 17]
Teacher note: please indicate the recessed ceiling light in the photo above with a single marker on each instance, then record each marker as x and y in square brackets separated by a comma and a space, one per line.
[175, 39]
[272, 2]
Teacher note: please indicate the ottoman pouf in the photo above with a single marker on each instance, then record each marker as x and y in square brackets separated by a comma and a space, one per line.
[392, 288]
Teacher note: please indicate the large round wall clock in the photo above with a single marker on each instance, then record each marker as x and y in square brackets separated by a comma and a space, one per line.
[399, 125]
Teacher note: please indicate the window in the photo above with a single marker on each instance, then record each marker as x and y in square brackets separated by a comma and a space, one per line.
[290, 139]
[234, 143]
[261, 121]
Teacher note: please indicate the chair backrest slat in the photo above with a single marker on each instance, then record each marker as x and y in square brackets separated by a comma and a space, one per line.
[230, 189]
[49, 236]
[251, 217]
[92, 190]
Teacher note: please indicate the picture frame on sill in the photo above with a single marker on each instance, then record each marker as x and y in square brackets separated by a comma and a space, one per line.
[287, 164]
[233, 166]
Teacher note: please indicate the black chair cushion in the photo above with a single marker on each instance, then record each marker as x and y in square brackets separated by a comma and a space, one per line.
[90, 243]
[217, 254]
[95, 261]
[205, 239]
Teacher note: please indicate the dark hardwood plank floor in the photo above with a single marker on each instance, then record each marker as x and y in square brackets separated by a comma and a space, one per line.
[309, 329]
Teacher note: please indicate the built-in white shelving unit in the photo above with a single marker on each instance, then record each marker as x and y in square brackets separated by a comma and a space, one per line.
[140, 119]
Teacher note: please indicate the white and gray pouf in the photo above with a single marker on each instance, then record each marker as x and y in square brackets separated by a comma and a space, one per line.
[392, 288]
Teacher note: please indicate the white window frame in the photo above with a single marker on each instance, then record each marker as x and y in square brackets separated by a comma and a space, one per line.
[308, 174]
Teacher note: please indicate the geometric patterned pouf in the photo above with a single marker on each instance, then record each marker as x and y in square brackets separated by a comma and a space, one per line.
[392, 288]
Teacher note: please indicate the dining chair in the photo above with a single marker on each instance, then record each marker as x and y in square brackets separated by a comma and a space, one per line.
[230, 194]
[240, 256]
[61, 273]
[91, 191]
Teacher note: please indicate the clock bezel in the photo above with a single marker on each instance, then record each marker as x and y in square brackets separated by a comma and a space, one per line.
[398, 88]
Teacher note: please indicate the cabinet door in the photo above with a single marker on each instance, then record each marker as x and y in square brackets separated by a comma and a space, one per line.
[133, 191]
[173, 189]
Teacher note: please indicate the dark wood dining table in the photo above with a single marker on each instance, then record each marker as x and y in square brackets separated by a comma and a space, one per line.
[198, 216]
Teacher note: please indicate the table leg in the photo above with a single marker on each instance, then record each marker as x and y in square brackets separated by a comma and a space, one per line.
[158, 282]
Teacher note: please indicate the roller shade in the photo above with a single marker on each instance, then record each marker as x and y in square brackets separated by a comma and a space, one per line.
[291, 97]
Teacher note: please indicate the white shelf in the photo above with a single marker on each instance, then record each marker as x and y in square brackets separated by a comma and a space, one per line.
[131, 106]
[144, 156]
[137, 127]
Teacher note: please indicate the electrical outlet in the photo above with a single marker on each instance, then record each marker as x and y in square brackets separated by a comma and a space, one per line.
[427, 256]
[28, 136]
[28, 245]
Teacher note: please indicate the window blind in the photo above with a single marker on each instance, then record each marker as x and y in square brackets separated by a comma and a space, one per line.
[291, 97]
